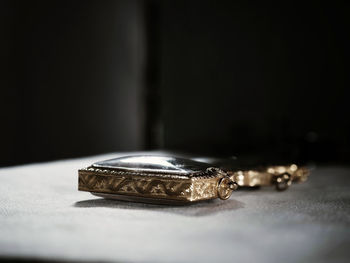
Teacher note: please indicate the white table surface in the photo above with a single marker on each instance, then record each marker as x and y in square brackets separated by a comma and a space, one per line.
[43, 216]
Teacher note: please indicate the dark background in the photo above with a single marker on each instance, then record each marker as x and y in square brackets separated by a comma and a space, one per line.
[209, 77]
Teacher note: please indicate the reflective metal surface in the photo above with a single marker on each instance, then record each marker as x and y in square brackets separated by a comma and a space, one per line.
[154, 164]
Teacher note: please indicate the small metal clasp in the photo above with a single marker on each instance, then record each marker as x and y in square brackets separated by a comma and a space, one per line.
[225, 187]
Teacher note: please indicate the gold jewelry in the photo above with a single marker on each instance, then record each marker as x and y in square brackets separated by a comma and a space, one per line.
[280, 176]
[172, 180]
[156, 179]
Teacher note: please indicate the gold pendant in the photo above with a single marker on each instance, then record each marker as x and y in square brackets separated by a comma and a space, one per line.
[156, 179]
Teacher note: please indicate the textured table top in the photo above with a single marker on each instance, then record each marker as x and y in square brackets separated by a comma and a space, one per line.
[43, 216]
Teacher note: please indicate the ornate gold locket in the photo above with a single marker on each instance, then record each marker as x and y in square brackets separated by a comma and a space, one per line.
[156, 179]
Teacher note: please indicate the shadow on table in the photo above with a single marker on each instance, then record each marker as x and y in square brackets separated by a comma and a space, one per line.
[197, 209]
